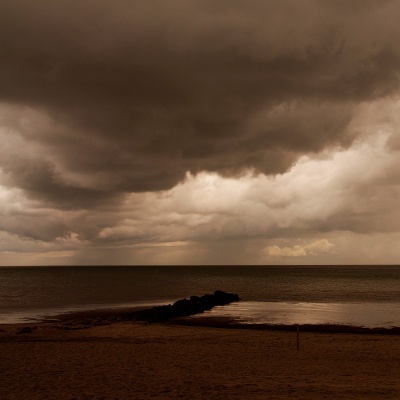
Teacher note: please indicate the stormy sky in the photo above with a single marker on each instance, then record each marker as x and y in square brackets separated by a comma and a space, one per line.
[199, 132]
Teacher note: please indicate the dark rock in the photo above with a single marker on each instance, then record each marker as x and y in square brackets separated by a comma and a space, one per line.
[185, 307]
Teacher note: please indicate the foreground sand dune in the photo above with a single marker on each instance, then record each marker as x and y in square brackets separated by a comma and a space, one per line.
[140, 361]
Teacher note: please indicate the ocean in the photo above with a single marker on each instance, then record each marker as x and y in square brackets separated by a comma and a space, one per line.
[352, 295]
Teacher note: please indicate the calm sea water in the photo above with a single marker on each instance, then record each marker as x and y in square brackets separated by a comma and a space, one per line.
[357, 295]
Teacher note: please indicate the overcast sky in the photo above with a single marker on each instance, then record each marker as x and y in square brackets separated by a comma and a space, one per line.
[199, 132]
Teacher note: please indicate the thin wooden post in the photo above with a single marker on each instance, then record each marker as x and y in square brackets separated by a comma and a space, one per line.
[298, 336]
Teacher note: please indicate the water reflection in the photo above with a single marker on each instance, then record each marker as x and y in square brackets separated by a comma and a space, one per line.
[370, 315]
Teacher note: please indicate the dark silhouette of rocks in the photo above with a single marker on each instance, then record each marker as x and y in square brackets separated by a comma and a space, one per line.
[185, 307]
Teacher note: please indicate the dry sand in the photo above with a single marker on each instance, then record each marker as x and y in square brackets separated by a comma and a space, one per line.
[140, 361]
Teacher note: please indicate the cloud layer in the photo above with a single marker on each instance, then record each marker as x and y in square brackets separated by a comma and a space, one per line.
[129, 96]
[142, 123]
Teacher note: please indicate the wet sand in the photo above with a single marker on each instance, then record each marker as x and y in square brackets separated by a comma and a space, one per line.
[130, 360]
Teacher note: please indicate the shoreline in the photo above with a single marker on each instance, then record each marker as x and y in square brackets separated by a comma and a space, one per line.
[230, 323]
[86, 319]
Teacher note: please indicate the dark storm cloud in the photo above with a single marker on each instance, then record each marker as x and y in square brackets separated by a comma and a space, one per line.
[137, 93]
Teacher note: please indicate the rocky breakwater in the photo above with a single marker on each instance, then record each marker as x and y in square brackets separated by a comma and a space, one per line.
[185, 307]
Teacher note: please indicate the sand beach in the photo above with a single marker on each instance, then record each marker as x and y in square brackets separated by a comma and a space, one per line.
[133, 360]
